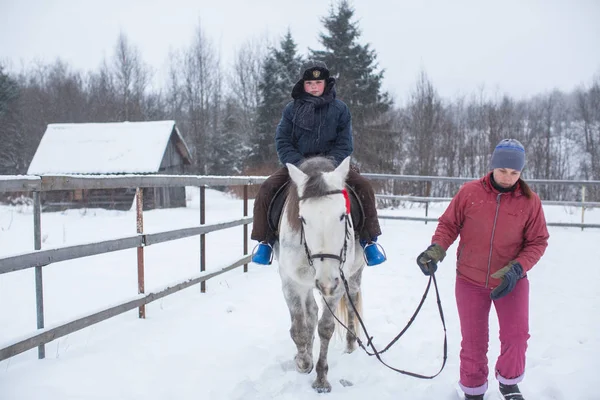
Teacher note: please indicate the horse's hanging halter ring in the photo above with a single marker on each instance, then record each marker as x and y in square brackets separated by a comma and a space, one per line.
[342, 259]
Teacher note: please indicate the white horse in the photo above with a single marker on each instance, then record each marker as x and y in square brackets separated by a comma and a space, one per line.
[316, 243]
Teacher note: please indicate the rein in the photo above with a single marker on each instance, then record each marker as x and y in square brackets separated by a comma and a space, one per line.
[378, 353]
[341, 258]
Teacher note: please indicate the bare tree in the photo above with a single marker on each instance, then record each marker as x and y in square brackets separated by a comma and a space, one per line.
[245, 78]
[587, 132]
[103, 104]
[199, 81]
[588, 112]
[453, 141]
[423, 122]
[47, 94]
[131, 77]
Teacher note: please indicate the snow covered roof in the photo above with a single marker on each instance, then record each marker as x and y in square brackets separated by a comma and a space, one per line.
[105, 148]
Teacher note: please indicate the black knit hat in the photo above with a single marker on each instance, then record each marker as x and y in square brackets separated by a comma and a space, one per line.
[314, 70]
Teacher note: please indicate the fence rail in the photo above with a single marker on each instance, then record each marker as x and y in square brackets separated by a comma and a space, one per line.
[408, 178]
[39, 258]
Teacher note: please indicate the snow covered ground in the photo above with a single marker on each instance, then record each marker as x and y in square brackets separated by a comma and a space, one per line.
[233, 342]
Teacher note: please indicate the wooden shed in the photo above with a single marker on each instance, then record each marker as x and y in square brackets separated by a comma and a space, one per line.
[115, 148]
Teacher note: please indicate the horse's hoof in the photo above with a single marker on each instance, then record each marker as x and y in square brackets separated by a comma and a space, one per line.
[350, 347]
[304, 366]
[321, 386]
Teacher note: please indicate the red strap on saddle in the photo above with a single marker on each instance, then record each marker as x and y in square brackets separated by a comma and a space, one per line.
[347, 198]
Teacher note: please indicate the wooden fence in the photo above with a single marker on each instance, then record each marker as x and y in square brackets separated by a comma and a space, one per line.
[40, 258]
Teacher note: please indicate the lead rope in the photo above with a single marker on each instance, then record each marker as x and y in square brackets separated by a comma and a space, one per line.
[377, 353]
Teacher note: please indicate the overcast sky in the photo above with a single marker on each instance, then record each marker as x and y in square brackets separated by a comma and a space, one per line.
[522, 47]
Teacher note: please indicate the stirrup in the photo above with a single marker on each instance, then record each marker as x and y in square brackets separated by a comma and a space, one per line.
[373, 255]
[262, 253]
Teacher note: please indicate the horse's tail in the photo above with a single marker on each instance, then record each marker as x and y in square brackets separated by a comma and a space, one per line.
[344, 309]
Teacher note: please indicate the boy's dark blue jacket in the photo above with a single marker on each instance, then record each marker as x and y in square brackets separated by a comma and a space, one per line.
[331, 135]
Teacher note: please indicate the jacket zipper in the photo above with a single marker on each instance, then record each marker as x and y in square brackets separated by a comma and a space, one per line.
[294, 126]
[487, 277]
[319, 130]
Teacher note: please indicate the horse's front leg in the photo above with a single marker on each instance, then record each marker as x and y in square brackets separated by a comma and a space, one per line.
[326, 328]
[304, 316]
[352, 332]
[352, 318]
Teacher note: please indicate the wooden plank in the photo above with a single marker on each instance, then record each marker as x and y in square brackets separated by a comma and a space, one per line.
[43, 257]
[153, 238]
[563, 224]
[404, 178]
[71, 182]
[572, 225]
[48, 256]
[587, 204]
[400, 217]
[418, 199]
[20, 183]
[48, 334]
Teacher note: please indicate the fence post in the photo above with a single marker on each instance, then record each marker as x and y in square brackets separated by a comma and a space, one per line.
[39, 284]
[427, 194]
[139, 210]
[245, 225]
[202, 236]
[582, 204]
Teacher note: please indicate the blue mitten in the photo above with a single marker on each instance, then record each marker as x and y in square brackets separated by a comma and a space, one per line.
[509, 275]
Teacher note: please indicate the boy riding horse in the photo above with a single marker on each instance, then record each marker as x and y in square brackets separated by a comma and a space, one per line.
[314, 123]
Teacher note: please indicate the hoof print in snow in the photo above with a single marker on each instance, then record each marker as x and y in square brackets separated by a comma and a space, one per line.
[289, 365]
[346, 383]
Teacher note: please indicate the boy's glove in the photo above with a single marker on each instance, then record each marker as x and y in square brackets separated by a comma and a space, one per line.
[509, 275]
[428, 259]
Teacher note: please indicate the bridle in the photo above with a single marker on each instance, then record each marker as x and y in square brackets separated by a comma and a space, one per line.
[341, 258]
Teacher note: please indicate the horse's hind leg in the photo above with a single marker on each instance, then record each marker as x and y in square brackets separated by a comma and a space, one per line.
[326, 328]
[304, 316]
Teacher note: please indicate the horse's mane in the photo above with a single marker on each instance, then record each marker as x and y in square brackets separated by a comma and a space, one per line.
[315, 186]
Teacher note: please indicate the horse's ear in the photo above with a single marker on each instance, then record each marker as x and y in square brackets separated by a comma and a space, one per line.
[297, 176]
[338, 176]
[344, 167]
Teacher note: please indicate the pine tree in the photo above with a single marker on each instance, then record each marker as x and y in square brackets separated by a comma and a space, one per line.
[9, 91]
[12, 153]
[358, 83]
[281, 70]
[227, 156]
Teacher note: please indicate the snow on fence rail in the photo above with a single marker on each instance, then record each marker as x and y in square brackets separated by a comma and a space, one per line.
[39, 258]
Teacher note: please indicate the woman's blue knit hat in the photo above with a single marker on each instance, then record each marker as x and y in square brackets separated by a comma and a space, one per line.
[509, 153]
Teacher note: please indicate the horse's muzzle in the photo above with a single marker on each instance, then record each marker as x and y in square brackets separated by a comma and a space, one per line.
[327, 287]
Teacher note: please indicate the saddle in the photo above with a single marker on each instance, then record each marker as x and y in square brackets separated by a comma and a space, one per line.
[276, 209]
